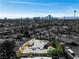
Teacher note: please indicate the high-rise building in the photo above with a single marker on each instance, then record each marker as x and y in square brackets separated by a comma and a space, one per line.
[49, 17]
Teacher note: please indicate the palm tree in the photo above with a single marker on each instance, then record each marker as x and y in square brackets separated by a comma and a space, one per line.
[75, 13]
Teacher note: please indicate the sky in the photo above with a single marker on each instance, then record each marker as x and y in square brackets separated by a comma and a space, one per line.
[42, 8]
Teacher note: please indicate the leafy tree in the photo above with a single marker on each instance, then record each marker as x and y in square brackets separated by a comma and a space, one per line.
[58, 48]
[51, 51]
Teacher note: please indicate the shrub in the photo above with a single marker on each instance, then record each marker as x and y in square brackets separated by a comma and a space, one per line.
[30, 54]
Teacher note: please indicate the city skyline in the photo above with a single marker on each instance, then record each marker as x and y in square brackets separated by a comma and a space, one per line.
[38, 8]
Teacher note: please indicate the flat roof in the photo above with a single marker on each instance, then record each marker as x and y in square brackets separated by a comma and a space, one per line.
[3, 40]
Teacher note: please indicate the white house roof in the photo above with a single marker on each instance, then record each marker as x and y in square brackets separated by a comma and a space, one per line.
[38, 58]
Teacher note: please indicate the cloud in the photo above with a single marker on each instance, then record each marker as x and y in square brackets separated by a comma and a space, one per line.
[29, 3]
[24, 15]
